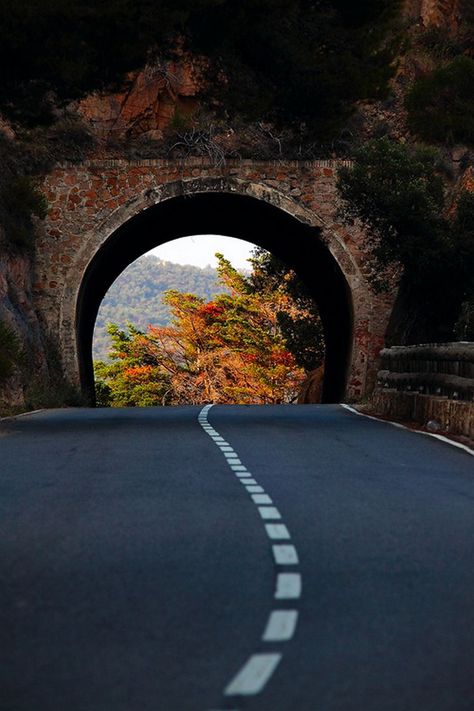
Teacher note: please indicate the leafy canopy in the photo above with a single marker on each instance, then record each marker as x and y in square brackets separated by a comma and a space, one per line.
[441, 105]
[136, 296]
[230, 349]
[298, 319]
[397, 193]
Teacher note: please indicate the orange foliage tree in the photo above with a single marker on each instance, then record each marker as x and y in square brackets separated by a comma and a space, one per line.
[228, 350]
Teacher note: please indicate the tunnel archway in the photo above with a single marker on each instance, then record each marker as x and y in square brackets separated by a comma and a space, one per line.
[293, 241]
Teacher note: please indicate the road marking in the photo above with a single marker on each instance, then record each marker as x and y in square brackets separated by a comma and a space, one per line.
[269, 512]
[281, 626]
[261, 499]
[441, 438]
[285, 555]
[277, 531]
[254, 675]
[288, 586]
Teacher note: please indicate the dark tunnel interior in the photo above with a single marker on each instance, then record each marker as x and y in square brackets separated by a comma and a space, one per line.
[297, 244]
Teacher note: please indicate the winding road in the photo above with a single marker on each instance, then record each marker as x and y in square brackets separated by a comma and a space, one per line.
[241, 558]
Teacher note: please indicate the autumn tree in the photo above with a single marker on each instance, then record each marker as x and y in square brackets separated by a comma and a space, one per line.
[133, 378]
[298, 317]
[227, 350]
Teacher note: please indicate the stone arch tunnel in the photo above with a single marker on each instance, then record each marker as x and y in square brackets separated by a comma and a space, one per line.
[104, 215]
[297, 244]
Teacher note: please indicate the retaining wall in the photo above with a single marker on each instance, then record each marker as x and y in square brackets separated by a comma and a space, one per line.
[430, 383]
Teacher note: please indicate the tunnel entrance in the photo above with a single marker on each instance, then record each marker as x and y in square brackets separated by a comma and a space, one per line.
[297, 244]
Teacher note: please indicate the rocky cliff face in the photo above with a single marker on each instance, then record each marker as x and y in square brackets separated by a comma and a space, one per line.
[17, 312]
[149, 101]
[441, 13]
[435, 13]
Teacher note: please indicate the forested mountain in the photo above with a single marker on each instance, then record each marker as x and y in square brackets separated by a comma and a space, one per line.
[136, 296]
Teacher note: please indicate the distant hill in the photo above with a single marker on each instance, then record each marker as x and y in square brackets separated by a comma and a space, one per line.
[136, 295]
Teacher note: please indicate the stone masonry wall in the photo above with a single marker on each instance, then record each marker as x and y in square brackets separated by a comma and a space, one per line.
[88, 202]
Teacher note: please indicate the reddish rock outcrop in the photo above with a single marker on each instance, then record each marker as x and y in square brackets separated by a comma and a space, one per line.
[441, 13]
[148, 102]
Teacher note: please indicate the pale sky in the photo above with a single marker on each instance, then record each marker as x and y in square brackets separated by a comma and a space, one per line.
[199, 250]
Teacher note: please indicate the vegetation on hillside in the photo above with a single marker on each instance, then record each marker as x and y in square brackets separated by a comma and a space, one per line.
[31, 154]
[441, 104]
[295, 63]
[397, 192]
[440, 99]
[10, 351]
[230, 349]
[136, 296]
[300, 325]
[272, 59]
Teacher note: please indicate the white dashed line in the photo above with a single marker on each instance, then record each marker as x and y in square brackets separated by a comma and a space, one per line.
[254, 675]
[277, 531]
[285, 555]
[269, 512]
[261, 499]
[281, 626]
[288, 586]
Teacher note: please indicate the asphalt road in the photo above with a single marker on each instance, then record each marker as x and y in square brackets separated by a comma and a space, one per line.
[141, 570]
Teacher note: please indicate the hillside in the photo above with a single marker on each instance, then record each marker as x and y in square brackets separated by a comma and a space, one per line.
[136, 295]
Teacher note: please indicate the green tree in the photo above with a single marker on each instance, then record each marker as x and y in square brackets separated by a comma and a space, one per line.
[298, 319]
[134, 378]
[298, 63]
[397, 193]
[441, 104]
[463, 241]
